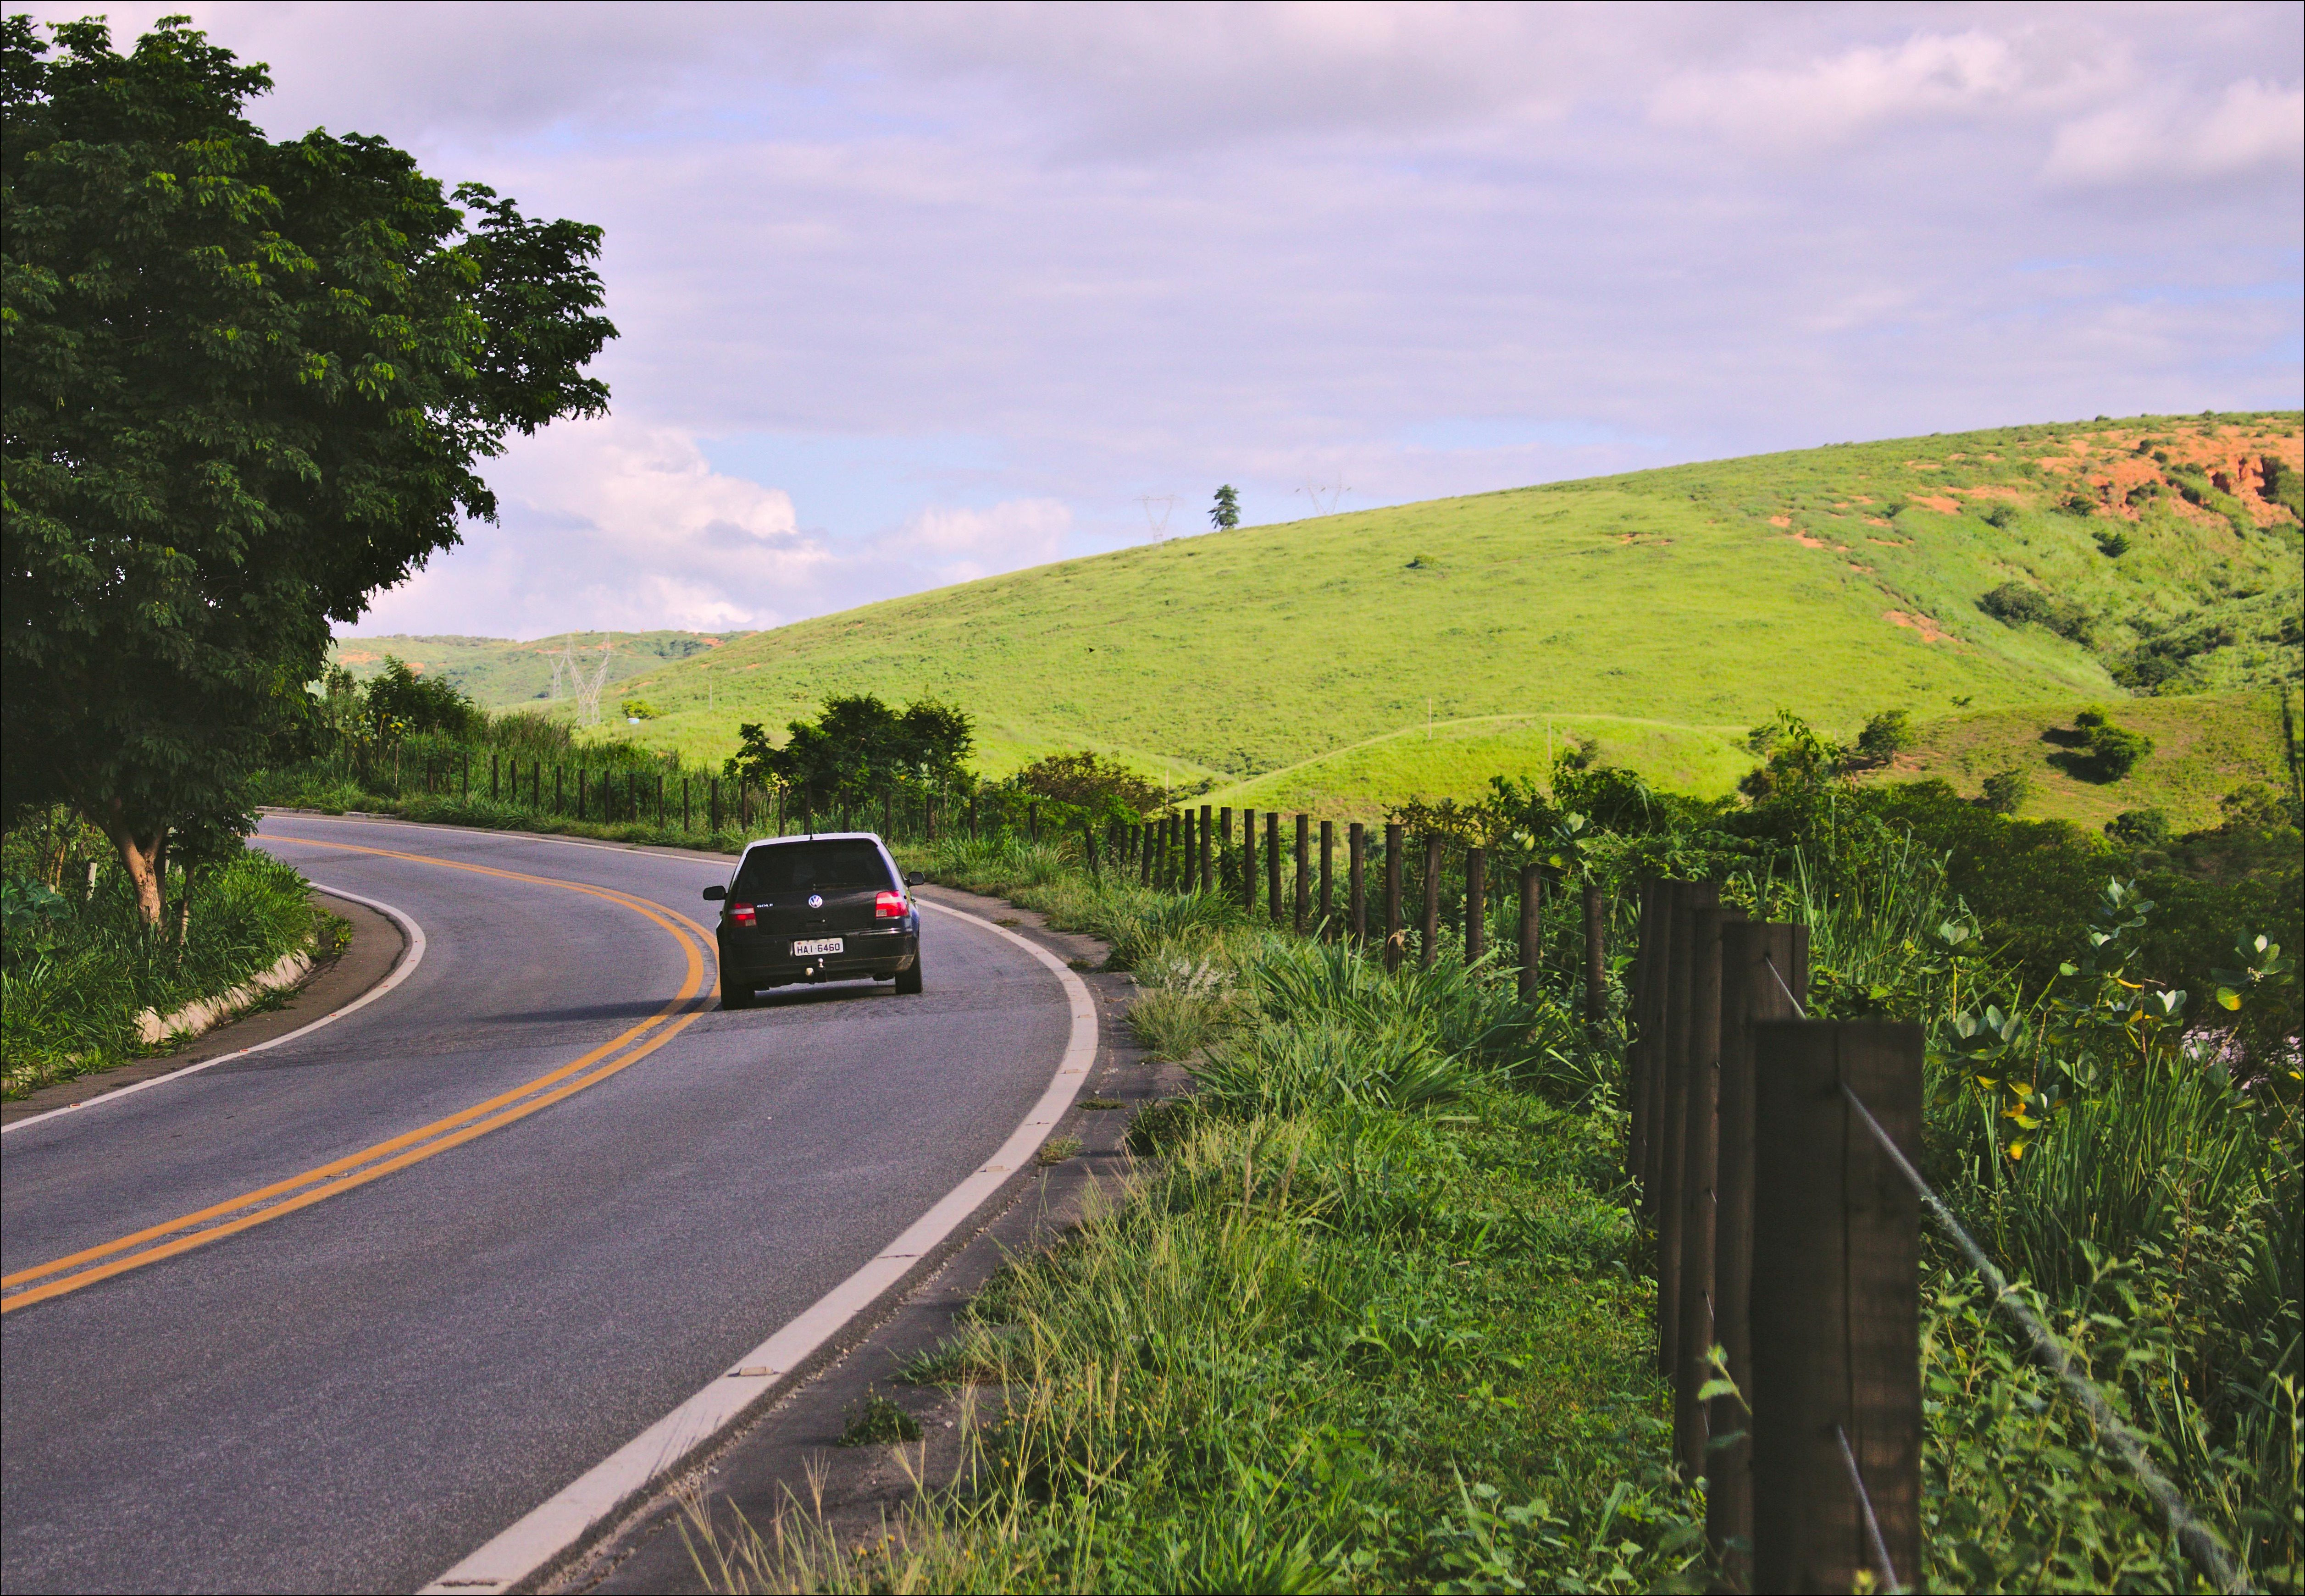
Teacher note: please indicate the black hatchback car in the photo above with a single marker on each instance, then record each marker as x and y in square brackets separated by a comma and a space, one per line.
[827, 907]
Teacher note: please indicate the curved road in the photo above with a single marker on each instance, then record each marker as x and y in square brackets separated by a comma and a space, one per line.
[333, 1315]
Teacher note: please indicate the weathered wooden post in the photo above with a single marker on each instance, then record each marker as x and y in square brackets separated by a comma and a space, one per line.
[1700, 1146]
[659, 800]
[464, 778]
[1328, 879]
[1304, 874]
[1753, 958]
[1392, 927]
[1033, 823]
[492, 777]
[1835, 1304]
[1272, 863]
[715, 805]
[1532, 929]
[1476, 908]
[1088, 845]
[1596, 960]
[581, 786]
[1144, 854]
[1357, 881]
[1429, 926]
[1208, 861]
[1248, 861]
[1673, 1155]
[683, 803]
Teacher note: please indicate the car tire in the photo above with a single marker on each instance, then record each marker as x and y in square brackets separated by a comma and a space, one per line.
[908, 981]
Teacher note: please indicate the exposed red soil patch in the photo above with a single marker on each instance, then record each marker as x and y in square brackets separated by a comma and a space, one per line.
[1781, 521]
[1875, 521]
[1806, 541]
[1943, 504]
[1861, 570]
[1931, 633]
[1890, 542]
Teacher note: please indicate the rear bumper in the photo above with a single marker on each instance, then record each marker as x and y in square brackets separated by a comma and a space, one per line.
[757, 960]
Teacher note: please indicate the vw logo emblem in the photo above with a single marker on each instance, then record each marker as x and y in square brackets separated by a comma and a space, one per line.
[814, 902]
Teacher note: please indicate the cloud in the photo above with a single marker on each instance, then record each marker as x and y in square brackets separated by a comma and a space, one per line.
[945, 289]
[2253, 126]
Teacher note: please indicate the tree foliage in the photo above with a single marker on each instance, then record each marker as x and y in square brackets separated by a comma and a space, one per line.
[1225, 513]
[249, 384]
[856, 749]
[1105, 788]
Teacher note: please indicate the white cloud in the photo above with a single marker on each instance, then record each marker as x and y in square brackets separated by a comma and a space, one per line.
[960, 545]
[1927, 75]
[2252, 126]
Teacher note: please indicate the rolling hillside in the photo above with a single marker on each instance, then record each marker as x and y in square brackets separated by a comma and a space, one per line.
[1661, 613]
[501, 674]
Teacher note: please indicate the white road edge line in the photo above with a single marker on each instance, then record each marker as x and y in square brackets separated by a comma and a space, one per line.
[595, 1501]
[414, 956]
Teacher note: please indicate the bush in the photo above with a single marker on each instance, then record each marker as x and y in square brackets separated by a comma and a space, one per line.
[1886, 735]
[2077, 503]
[637, 709]
[2006, 790]
[2014, 604]
[2139, 828]
[2115, 751]
[2001, 515]
[2113, 545]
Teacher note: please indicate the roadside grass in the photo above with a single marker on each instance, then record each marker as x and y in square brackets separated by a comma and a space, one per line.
[1378, 1318]
[74, 981]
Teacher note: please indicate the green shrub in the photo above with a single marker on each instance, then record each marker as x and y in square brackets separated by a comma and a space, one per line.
[1886, 735]
[2015, 604]
[2006, 790]
[2115, 751]
[2139, 828]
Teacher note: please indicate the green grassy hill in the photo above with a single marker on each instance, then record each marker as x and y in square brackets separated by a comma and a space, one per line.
[1658, 613]
[501, 674]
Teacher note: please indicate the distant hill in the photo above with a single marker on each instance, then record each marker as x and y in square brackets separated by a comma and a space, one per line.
[2020, 572]
[501, 674]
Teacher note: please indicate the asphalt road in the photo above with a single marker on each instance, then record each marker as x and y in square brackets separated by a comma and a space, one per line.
[352, 1393]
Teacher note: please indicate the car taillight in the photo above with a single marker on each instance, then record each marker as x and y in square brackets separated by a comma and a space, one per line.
[742, 913]
[890, 905]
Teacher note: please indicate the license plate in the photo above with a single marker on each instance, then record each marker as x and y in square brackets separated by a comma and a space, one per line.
[802, 950]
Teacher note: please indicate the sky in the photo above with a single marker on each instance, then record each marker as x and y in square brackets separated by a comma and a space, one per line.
[913, 295]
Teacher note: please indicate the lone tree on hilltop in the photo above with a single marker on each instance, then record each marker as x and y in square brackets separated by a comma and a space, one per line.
[1225, 514]
[247, 385]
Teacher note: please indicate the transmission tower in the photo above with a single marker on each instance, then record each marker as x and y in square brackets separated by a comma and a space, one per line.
[565, 669]
[1325, 497]
[588, 693]
[1156, 514]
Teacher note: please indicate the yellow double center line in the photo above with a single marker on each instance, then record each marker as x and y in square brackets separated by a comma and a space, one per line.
[266, 1204]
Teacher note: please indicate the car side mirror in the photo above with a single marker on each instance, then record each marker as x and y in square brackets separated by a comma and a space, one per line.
[913, 878]
[713, 894]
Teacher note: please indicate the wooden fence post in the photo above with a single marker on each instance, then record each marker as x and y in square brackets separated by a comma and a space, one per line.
[1392, 927]
[1532, 929]
[1429, 925]
[1672, 1160]
[1144, 853]
[1272, 863]
[492, 777]
[1665, 896]
[1328, 879]
[1248, 861]
[1836, 1306]
[1699, 1159]
[659, 800]
[1596, 960]
[1224, 849]
[464, 778]
[1477, 907]
[1304, 874]
[1088, 845]
[716, 805]
[1033, 823]
[684, 803]
[1753, 957]
[1208, 854]
[581, 784]
[1357, 881]
[1638, 1037]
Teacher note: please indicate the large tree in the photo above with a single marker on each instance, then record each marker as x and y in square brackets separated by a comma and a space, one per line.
[247, 385]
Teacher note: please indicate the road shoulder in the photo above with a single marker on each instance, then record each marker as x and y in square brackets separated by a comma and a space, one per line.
[374, 946]
[789, 1453]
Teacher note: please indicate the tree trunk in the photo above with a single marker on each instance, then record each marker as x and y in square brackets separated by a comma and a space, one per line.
[143, 858]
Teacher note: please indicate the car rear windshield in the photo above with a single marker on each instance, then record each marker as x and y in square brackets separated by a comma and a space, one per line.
[810, 867]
